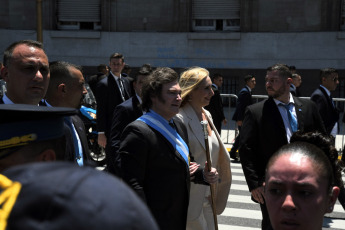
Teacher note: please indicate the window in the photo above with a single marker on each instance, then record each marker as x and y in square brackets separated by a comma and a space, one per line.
[216, 15]
[78, 14]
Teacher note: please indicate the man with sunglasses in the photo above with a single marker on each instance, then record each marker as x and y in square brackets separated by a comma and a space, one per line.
[323, 99]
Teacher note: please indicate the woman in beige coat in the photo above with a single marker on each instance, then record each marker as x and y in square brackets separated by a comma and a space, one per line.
[196, 89]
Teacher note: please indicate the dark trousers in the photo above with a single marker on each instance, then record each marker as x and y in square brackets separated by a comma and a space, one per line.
[236, 144]
[112, 160]
[265, 223]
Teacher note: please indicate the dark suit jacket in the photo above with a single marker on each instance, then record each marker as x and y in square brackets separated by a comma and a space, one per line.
[94, 79]
[244, 99]
[328, 112]
[157, 172]
[108, 97]
[124, 114]
[293, 90]
[263, 133]
[80, 128]
[216, 109]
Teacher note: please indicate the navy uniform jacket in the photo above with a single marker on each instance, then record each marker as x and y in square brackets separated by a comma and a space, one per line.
[244, 99]
[329, 113]
[263, 133]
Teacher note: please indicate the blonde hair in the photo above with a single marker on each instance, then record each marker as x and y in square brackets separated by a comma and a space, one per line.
[190, 80]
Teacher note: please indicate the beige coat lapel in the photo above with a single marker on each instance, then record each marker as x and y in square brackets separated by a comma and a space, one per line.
[194, 124]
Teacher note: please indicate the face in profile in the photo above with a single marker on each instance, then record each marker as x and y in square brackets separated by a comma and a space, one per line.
[168, 104]
[201, 96]
[76, 90]
[297, 195]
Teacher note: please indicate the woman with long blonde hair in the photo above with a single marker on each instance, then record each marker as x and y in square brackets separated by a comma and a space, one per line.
[196, 93]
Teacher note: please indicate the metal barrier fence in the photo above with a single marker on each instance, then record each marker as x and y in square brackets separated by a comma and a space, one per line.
[232, 131]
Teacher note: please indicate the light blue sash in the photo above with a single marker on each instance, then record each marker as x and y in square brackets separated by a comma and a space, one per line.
[157, 122]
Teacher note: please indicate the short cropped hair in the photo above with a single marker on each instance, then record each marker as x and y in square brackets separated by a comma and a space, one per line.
[101, 67]
[248, 78]
[282, 69]
[327, 72]
[9, 51]
[216, 76]
[59, 73]
[117, 56]
[144, 70]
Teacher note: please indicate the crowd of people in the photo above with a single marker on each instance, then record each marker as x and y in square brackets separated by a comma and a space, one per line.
[164, 170]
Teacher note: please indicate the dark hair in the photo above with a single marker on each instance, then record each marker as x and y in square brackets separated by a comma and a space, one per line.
[9, 51]
[59, 73]
[117, 56]
[248, 78]
[319, 148]
[216, 76]
[101, 67]
[282, 69]
[295, 75]
[153, 84]
[144, 70]
[292, 67]
[58, 145]
[327, 72]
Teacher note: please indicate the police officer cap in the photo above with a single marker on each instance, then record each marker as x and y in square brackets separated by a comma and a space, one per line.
[22, 124]
[61, 195]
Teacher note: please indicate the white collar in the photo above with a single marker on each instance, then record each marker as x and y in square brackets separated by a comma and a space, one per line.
[327, 91]
[7, 100]
[280, 102]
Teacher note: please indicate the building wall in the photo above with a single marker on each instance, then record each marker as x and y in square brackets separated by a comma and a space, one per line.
[176, 15]
[304, 33]
[233, 54]
[290, 15]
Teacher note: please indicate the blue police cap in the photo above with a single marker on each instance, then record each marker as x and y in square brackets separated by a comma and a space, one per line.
[61, 195]
[22, 124]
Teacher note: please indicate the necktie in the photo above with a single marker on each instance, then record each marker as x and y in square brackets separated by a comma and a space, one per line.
[172, 125]
[122, 89]
[77, 152]
[332, 101]
[292, 119]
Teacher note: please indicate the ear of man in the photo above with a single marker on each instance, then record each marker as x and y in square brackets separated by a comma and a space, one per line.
[46, 155]
[333, 198]
[62, 88]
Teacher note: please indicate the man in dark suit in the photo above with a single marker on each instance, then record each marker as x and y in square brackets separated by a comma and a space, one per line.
[268, 125]
[296, 83]
[216, 104]
[66, 89]
[111, 91]
[154, 154]
[102, 72]
[26, 72]
[244, 99]
[125, 113]
[322, 97]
